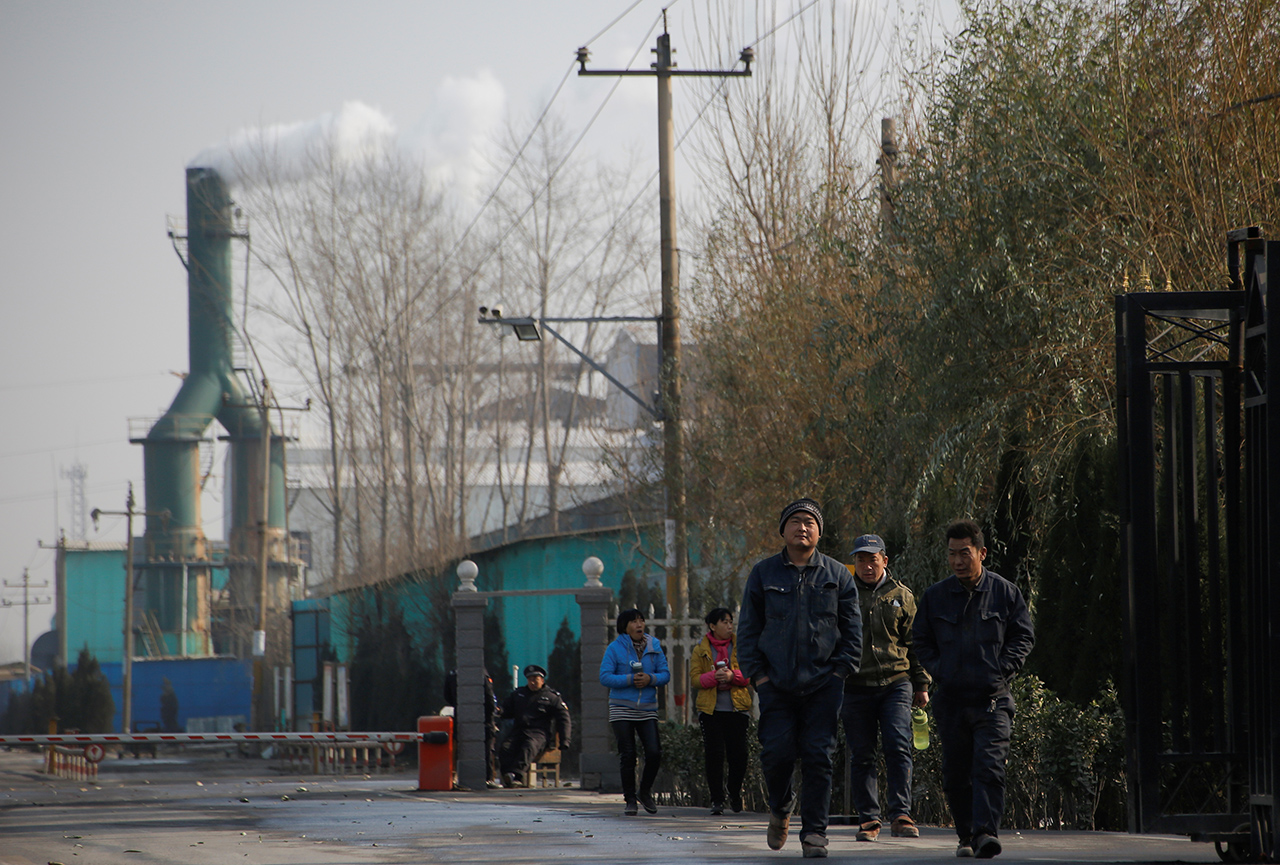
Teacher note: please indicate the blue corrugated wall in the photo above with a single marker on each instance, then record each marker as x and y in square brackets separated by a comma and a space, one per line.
[206, 687]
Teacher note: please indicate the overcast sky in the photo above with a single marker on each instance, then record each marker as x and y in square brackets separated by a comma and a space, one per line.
[102, 105]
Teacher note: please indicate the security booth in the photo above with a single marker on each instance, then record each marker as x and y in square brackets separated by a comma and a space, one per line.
[1200, 534]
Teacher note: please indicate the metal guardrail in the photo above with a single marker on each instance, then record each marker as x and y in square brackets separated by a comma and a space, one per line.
[323, 753]
[342, 758]
[282, 738]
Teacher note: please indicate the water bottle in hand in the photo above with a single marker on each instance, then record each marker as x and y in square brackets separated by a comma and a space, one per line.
[919, 728]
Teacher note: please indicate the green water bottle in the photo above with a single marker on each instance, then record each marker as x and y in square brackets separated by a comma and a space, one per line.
[919, 728]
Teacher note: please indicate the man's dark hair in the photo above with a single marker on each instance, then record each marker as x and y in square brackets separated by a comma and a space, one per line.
[966, 530]
[626, 617]
[717, 614]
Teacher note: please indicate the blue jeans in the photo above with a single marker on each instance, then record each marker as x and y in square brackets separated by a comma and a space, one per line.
[625, 732]
[887, 710]
[794, 726]
[975, 748]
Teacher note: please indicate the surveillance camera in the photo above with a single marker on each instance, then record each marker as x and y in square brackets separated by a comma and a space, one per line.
[496, 312]
[484, 310]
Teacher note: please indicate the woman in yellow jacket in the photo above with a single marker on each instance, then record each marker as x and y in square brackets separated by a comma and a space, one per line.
[723, 702]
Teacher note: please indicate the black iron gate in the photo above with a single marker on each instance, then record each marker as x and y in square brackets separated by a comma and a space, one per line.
[1202, 599]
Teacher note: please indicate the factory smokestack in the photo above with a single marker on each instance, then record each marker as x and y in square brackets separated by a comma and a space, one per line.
[177, 551]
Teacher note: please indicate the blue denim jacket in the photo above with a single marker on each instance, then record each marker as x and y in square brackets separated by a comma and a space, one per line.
[799, 626]
[973, 643]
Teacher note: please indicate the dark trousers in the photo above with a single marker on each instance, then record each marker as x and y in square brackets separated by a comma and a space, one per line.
[724, 737]
[490, 749]
[626, 732]
[520, 749]
[887, 711]
[803, 727]
[975, 747]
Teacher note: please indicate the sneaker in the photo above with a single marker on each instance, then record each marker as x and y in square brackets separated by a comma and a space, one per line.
[717, 808]
[814, 847]
[631, 809]
[986, 846]
[869, 831]
[735, 803]
[903, 827]
[964, 851]
[778, 827]
[646, 799]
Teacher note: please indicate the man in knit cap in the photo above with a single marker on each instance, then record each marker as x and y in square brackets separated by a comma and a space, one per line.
[799, 636]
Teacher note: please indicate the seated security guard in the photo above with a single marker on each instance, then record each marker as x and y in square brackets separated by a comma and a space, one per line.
[538, 713]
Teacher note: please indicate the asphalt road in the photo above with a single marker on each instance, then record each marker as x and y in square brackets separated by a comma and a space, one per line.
[205, 807]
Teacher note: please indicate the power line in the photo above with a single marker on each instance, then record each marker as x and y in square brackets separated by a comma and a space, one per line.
[67, 383]
[644, 188]
[73, 447]
[555, 171]
[607, 27]
[395, 319]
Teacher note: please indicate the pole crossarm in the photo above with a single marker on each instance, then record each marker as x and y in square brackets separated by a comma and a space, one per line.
[627, 73]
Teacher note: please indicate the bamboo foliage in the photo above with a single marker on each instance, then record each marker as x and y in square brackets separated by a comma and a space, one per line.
[959, 361]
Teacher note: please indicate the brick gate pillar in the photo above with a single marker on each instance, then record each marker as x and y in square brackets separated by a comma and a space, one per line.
[599, 763]
[468, 728]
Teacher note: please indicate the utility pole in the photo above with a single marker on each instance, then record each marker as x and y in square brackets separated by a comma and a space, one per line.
[126, 665]
[888, 163]
[27, 603]
[260, 635]
[676, 535]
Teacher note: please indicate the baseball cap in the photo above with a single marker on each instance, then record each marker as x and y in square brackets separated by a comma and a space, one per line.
[868, 544]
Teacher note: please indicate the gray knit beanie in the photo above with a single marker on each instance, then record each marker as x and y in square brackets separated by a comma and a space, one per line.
[809, 506]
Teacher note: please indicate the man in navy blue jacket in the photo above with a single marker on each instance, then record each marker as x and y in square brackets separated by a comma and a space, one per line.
[972, 634]
[799, 635]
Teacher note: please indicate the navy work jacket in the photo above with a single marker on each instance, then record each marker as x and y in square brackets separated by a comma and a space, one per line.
[798, 626]
[973, 643]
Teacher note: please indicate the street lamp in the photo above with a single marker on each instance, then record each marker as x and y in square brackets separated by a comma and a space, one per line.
[529, 329]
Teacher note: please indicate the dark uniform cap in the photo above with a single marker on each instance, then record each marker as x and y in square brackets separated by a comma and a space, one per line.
[534, 670]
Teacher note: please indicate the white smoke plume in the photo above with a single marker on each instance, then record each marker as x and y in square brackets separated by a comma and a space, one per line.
[449, 140]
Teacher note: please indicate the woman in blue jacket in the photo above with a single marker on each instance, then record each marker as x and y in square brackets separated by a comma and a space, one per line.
[633, 669]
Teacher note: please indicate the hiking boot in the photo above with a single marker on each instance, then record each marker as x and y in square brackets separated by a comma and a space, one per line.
[717, 808]
[814, 847]
[986, 846]
[778, 828]
[903, 827]
[646, 799]
[869, 831]
[631, 809]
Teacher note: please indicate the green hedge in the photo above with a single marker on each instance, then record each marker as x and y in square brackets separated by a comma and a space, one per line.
[1065, 771]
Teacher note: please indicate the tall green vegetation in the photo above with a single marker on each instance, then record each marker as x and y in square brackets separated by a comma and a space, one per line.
[77, 700]
[393, 679]
[959, 361]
